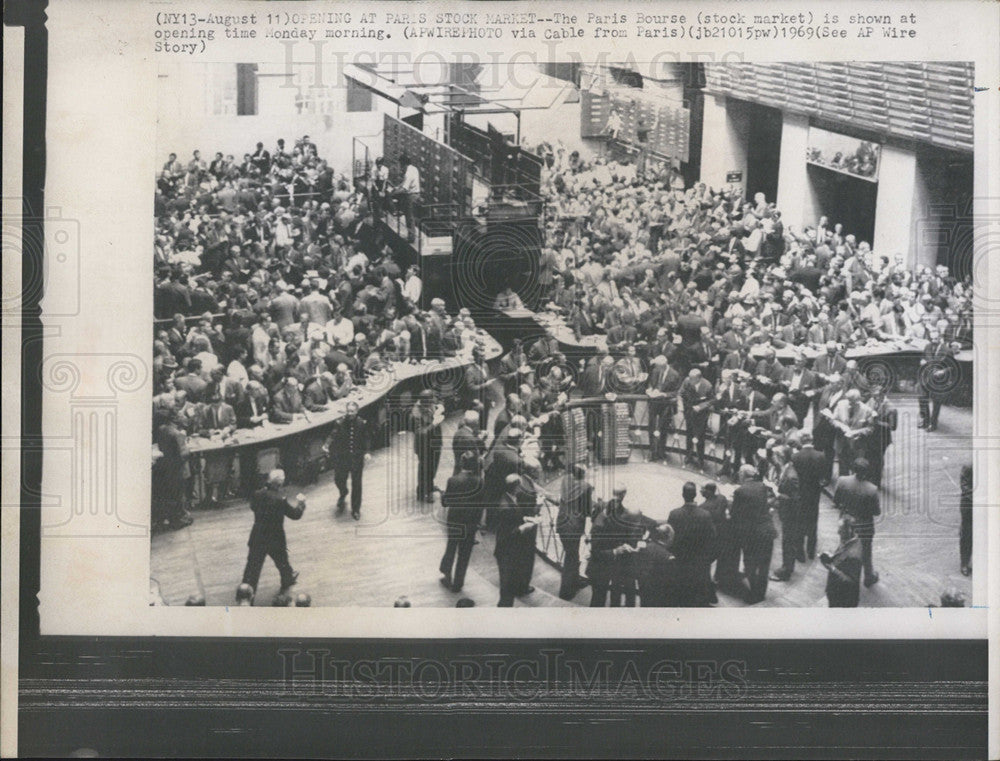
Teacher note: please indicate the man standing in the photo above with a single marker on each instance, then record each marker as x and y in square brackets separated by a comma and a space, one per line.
[726, 551]
[172, 471]
[468, 438]
[463, 500]
[662, 387]
[885, 420]
[811, 466]
[696, 393]
[935, 373]
[267, 538]
[516, 526]
[843, 581]
[575, 504]
[965, 510]
[694, 548]
[790, 513]
[857, 497]
[407, 194]
[426, 419]
[614, 538]
[348, 447]
[754, 528]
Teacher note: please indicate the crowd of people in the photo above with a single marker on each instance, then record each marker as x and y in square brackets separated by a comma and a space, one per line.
[275, 296]
[698, 294]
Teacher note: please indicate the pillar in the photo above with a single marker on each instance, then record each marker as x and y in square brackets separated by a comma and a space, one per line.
[724, 142]
[794, 190]
[894, 204]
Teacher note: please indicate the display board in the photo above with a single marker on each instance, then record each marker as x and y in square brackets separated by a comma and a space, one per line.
[445, 174]
[669, 125]
[616, 440]
[918, 100]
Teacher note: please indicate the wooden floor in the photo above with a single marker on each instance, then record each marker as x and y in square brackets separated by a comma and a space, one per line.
[395, 548]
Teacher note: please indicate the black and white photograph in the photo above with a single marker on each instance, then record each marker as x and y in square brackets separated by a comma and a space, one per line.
[593, 379]
[563, 334]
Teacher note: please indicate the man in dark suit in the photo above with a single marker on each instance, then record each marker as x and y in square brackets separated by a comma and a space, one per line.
[694, 548]
[463, 500]
[171, 472]
[267, 538]
[575, 505]
[426, 419]
[659, 580]
[348, 446]
[727, 560]
[858, 497]
[468, 438]
[885, 421]
[802, 387]
[516, 526]
[696, 393]
[936, 369]
[790, 513]
[662, 386]
[614, 539]
[475, 385]
[754, 529]
[504, 459]
[812, 469]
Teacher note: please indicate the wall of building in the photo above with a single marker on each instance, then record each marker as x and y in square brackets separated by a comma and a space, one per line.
[724, 142]
[189, 105]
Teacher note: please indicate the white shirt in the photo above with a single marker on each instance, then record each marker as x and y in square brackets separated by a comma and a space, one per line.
[340, 330]
[413, 288]
[411, 180]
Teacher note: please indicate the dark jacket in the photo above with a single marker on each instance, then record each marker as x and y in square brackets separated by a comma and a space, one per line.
[349, 442]
[575, 505]
[269, 512]
[860, 500]
[463, 499]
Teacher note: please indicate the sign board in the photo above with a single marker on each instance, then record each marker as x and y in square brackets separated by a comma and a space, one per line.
[732, 177]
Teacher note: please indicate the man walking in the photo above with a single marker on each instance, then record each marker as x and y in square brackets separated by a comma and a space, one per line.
[267, 538]
[348, 446]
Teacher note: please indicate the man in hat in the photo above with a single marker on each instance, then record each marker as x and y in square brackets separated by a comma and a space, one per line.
[267, 538]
